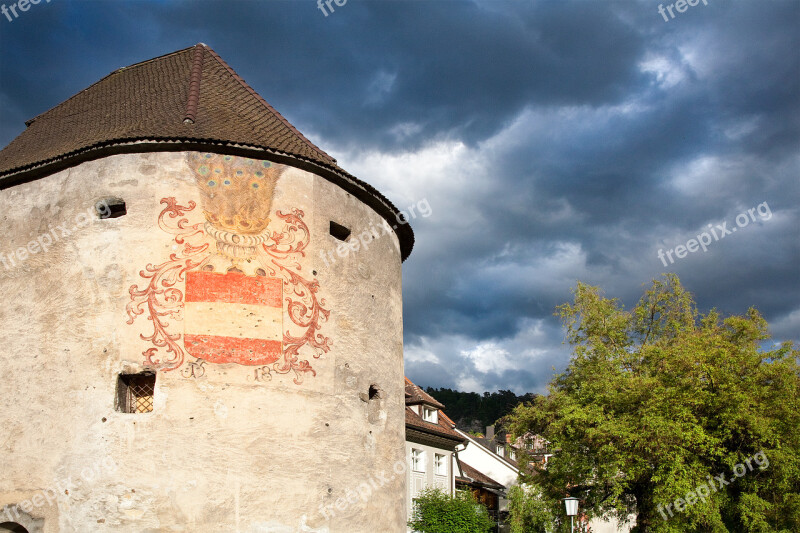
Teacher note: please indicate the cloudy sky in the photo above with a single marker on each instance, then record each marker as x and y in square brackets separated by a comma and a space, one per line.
[553, 141]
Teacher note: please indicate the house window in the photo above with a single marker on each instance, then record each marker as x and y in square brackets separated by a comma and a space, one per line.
[440, 464]
[417, 460]
[430, 415]
[415, 509]
[500, 450]
[513, 455]
[135, 392]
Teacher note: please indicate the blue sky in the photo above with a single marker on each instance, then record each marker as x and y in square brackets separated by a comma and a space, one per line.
[553, 141]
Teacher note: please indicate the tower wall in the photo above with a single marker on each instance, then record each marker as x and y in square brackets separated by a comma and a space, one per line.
[304, 432]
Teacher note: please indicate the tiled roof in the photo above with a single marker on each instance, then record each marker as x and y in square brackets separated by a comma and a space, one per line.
[447, 419]
[474, 475]
[491, 446]
[187, 100]
[415, 395]
[443, 427]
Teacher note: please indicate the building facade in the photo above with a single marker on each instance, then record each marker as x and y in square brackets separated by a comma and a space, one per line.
[203, 327]
[492, 456]
[431, 443]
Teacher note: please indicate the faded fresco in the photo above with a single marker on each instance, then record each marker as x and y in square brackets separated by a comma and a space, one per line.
[235, 278]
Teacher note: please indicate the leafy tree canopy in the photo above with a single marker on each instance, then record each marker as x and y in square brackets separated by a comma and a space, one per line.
[528, 511]
[658, 402]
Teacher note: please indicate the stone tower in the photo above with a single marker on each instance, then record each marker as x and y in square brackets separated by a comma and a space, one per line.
[202, 317]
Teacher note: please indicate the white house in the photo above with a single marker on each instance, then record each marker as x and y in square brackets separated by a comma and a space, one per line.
[492, 457]
[431, 442]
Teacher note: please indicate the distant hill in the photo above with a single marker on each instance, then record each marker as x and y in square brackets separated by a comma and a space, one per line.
[472, 411]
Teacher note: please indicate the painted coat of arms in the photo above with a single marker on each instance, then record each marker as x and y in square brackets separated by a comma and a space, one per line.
[233, 280]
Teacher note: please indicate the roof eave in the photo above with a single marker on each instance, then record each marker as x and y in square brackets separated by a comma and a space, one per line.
[349, 183]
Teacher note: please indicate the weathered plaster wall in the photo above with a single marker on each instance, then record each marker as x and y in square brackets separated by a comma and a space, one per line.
[228, 447]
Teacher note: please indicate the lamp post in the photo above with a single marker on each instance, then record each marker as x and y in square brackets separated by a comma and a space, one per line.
[571, 504]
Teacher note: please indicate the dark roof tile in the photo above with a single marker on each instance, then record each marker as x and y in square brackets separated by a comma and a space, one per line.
[415, 395]
[476, 475]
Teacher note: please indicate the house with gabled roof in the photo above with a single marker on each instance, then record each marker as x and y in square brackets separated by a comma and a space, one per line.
[486, 490]
[431, 443]
[492, 455]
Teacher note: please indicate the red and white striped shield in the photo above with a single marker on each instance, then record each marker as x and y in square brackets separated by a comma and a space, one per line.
[233, 318]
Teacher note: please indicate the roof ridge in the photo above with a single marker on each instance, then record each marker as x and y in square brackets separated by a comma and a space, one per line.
[274, 111]
[195, 78]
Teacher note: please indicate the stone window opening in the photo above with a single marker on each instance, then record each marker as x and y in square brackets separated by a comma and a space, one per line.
[12, 527]
[110, 208]
[374, 393]
[339, 232]
[135, 392]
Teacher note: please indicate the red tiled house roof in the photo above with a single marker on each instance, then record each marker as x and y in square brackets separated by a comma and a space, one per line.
[415, 395]
[472, 475]
[442, 429]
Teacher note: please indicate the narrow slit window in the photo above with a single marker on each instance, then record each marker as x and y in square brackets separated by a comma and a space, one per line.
[135, 392]
[340, 232]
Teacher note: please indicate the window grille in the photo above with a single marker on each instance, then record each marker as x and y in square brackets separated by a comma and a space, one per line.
[135, 392]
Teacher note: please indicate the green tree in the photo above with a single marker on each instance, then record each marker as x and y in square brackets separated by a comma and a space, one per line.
[528, 511]
[439, 512]
[472, 411]
[659, 401]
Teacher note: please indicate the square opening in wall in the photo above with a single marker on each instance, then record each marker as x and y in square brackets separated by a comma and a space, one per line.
[111, 208]
[135, 392]
[340, 232]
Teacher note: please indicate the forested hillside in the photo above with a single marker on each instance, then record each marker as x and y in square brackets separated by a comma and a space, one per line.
[472, 411]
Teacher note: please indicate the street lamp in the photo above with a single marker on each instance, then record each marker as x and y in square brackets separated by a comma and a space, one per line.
[571, 504]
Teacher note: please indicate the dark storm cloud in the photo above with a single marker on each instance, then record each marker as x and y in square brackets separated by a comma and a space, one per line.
[555, 141]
